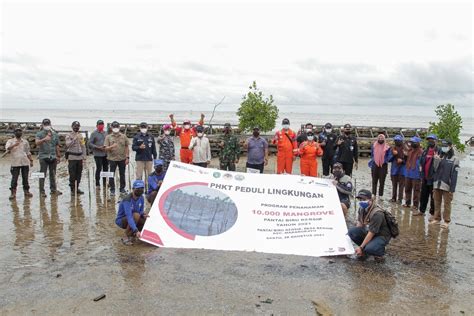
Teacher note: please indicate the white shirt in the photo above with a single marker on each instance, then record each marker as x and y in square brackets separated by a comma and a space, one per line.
[19, 154]
[201, 149]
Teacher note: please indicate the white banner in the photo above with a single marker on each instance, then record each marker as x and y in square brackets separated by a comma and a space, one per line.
[214, 209]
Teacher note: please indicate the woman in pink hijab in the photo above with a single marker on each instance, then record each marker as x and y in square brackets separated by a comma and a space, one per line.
[378, 164]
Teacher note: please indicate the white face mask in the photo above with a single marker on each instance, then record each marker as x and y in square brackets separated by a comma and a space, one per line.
[115, 130]
[200, 134]
[328, 130]
[285, 126]
[445, 149]
[143, 130]
[187, 126]
[47, 128]
[167, 132]
[310, 137]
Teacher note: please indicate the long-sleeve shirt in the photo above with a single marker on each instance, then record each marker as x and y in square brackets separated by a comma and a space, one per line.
[96, 140]
[201, 149]
[149, 152]
[185, 135]
[167, 151]
[396, 167]
[348, 151]
[286, 142]
[20, 153]
[310, 150]
[154, 181]
[445, 173]
[329, 146]
[127, 207]
[231, 149]
[75, 146]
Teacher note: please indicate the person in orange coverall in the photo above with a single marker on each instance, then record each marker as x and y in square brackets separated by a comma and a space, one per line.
[309, 151]
[285, 139]
[185, 134]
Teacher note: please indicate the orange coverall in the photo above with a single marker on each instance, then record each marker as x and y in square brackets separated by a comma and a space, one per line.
[309, 151]
[185, 135]
[287, 150]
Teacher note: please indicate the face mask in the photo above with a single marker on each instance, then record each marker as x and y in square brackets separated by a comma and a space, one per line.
[159, 169]
[431, 144]
[200, 135]
[138, 192]
[347, 132]
[380, 141]
[398, 143]
[187, 126]
[47, 128]
[364, 204]
[415, 145]
[310, 137]
[309, 130]
[18, 134]
[75, 129]
[143, 130]
[167, 132]
[328, 130]
[115, 130]
[444, 149]
[227, 130]
[285, 126]
[337, 174]
[256, 134]
[100, 128]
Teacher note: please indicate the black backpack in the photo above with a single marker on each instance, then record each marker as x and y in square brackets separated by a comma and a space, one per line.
[392, 223]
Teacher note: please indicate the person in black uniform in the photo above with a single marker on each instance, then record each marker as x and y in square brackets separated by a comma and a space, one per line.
[302, 135]
[347, 150]
[327, 138]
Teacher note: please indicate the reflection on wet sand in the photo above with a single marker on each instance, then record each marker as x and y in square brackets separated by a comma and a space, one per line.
[52, 227]
[23, 225]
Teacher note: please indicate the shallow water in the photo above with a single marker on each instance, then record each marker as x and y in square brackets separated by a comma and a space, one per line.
[58, 254]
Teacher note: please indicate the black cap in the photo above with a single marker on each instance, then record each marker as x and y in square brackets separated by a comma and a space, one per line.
[18, 128]
[309, 124]
[76, 123]
[366, 194]
[446, 142]
[143, 124]
[46, 121]
[99, 122]
[199, 128]
[328, 125]
[227, 125]
[347, 125]
[285, 121]
[256, 128]
[115, 124]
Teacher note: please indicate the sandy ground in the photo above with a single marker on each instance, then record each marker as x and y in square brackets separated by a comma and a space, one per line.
[57, 255]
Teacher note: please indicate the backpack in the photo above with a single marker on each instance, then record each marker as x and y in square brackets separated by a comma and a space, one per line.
[392, 223]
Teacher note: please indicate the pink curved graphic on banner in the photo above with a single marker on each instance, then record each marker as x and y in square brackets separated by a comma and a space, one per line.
[163, 211]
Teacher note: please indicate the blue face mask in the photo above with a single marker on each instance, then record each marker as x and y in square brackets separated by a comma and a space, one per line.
[364, 204]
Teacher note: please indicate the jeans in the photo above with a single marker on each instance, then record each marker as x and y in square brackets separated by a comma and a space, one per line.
[121, 166]
[376, 247]
[46, 164]
[102, 164]
[75, 173]
[15, 171]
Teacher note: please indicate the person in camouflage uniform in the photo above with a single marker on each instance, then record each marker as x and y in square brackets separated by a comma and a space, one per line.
[230, 149]
[167, 152]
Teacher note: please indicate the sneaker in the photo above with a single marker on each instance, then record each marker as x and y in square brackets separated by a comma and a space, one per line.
[379, 259]
[445, 225]
[56, 192]
[418, 213]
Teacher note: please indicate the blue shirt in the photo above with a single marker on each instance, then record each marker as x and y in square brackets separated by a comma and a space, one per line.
[256, 150]
[153, 180]
[127, 207]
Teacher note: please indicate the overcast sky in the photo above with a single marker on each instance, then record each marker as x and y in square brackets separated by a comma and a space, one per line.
[104, 53]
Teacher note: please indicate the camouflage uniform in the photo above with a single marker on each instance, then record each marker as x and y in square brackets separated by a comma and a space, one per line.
[229, 153]
[167, 152]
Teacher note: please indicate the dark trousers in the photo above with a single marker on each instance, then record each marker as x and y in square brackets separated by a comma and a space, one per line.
[121, 166]
[15, 171]
[376, 247]
[412, 185]
[46, 164]
[327, 166]
[398, 184]
[378, 176]
[200, 164]
[102, 164]
[227, 165]
[75, 173]
[347, 167]
[426, 194]
[256, 166]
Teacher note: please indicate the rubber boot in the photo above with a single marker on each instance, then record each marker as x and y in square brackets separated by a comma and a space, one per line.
[13, 195]
[28, 194]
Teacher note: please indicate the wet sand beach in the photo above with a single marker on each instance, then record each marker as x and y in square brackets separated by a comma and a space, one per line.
[57, 255]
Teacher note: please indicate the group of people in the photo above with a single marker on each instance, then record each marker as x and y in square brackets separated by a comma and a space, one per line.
[419, 176]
